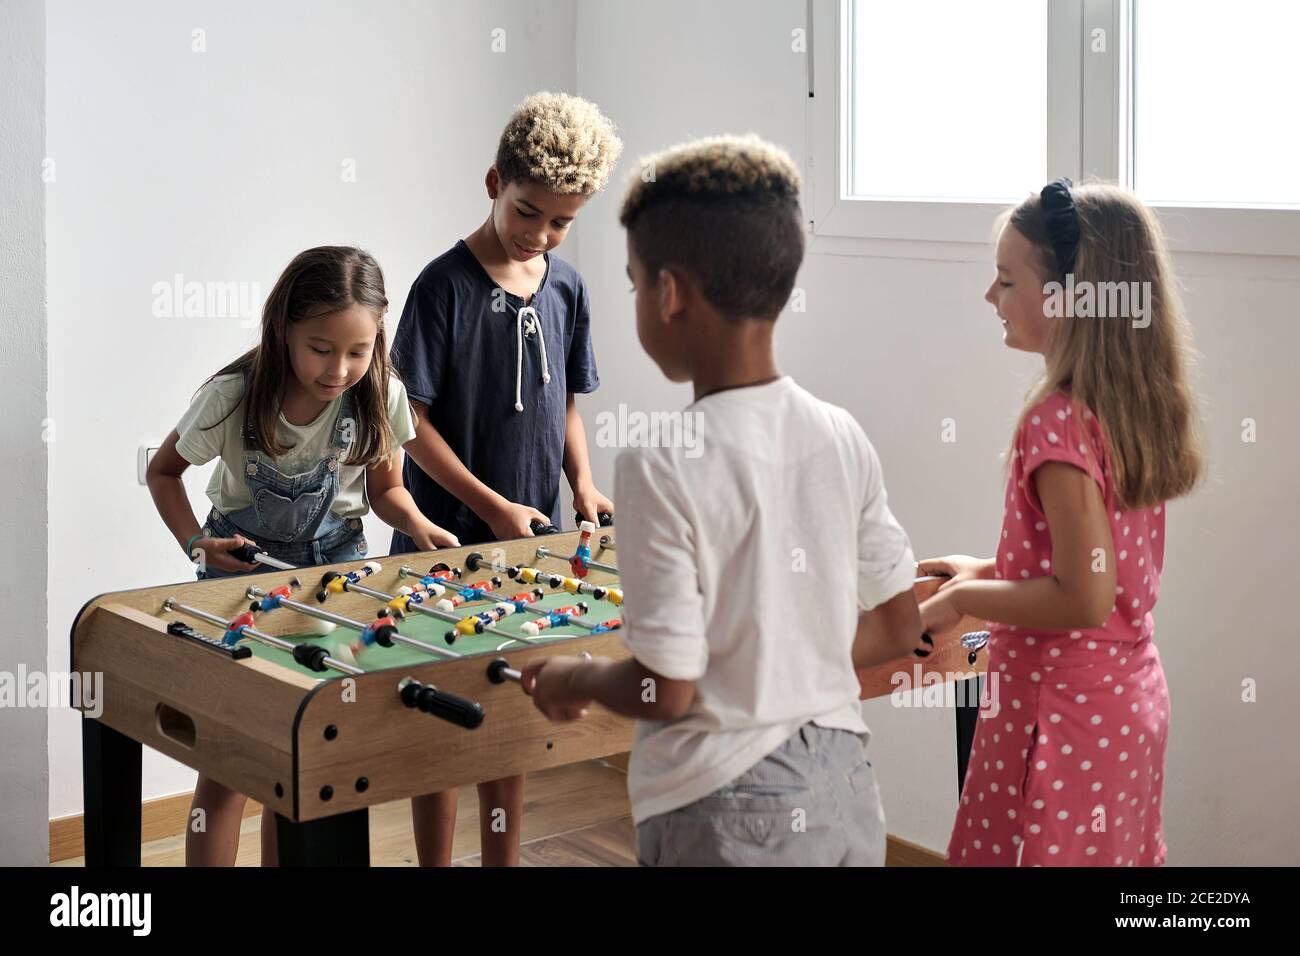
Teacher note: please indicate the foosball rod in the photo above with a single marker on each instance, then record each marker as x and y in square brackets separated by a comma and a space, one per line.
[251, 555]
[170, 604]
[413, 694]
[582, 587]
[598, 565]
[360, 626]
[433, 612]
[520, 607]
[500, 671]
[473, 565]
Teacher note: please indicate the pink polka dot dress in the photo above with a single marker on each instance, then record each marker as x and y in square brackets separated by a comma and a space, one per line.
[1067, 765]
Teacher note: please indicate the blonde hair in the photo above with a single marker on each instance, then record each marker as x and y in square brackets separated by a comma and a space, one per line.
[1134, 379]
[562, 142]
[725, 210]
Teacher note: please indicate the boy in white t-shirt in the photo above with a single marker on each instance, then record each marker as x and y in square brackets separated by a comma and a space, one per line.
[748, 552]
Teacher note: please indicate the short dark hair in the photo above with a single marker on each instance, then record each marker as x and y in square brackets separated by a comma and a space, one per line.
[725, 210]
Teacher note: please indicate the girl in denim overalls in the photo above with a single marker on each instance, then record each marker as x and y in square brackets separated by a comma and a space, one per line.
[289, 516]
[307, 427]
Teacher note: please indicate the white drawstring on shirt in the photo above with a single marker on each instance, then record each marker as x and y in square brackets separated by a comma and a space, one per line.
[535, 321]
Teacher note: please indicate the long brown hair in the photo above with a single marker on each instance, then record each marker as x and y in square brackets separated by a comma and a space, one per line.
[321, 280]
[1134, 379]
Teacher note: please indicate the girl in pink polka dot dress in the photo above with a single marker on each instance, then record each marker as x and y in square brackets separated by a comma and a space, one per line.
[1067, 765]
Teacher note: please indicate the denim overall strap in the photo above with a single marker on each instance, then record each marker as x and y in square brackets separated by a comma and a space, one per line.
[295, 508]
[289, 516]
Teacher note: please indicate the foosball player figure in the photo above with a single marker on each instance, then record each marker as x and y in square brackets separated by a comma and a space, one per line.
[582, 553]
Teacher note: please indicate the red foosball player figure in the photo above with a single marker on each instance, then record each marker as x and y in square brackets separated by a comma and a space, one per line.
[558, 617]
[582, 553]
[380, 631]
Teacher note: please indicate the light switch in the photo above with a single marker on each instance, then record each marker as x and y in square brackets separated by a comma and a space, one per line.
[143, 456]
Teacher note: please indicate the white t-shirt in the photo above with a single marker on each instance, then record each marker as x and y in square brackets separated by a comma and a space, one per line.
[198, 443]
[746, 558]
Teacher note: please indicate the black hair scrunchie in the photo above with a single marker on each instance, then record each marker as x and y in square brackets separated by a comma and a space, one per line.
[1062, 223]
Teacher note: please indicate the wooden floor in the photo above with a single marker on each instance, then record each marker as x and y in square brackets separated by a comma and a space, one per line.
[573, 816]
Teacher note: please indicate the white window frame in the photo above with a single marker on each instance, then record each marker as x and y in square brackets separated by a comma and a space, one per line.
[1087, 136]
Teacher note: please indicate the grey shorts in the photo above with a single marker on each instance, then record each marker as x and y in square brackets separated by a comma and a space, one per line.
[811, 802]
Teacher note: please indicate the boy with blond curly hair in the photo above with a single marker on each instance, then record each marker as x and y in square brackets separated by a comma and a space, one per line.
[751, 557]
[493, 345]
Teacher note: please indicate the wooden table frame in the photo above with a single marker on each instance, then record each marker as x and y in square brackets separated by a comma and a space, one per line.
[295, 744]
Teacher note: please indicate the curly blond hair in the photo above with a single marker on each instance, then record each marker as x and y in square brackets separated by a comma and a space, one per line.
[725, 210]
[563, 142]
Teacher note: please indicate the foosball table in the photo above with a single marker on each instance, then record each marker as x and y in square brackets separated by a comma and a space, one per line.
[323, 691]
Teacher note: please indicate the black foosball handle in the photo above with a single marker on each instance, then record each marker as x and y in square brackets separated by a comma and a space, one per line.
[539, 527]
[245, 552]
[457, 710]
[500, 671]
[311, 656]
[606, 519]
[475, 560]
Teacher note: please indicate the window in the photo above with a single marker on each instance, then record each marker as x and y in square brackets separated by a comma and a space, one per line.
[962, 115]
[928, 117]
[1215, 107]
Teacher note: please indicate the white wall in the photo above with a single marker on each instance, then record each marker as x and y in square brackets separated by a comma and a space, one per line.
[24, 836]
[906, 342]
[222, 165]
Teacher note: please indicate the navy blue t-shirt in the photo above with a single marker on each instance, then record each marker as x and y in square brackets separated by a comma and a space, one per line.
[458, 351]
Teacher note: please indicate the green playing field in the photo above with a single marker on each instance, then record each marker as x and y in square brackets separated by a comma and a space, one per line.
[421, 627]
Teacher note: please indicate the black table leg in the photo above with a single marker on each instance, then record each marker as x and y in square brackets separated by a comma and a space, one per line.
[110, 770]
[967, 710]
[341, 840]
